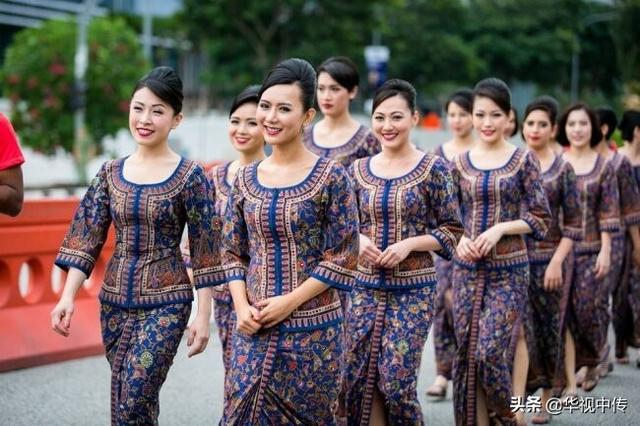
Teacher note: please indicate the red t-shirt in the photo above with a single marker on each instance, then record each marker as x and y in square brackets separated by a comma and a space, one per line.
[10, 154]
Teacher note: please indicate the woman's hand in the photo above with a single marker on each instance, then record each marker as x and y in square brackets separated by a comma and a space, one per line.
[467, 250]
[553, 276]
[394, 254]
[61, 316]
[274, 310]
[198, 335]
[486, 241]
[603, 264]
[368, 251]
[247, 320]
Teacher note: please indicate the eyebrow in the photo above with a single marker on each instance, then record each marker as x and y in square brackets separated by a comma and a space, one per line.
[280, 104]
[153, 105]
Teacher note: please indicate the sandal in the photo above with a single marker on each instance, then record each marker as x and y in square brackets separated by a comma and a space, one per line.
[623, 360]
[590, 379]
[568, 398]
[437, 391]
[541, 418]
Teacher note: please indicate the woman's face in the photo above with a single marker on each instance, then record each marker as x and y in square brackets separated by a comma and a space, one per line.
[281, 116]
[244, 133]
[459, 120]
[489, 120]
[511, 125]
[333, 98]
[537, 129]
[392, 122]
[578, 128]
[150, 118]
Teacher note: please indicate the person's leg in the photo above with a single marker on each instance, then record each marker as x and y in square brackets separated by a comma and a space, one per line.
[520, 370]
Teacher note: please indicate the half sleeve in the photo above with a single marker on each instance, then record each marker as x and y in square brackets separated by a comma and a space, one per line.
[571, 211]
[536, 207]
[629, 194]
[89, 228]
[204, 235]
[341, 230]
[608, 209]
[235, 244]
[443, 200]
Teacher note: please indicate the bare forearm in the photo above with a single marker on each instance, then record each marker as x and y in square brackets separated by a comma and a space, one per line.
[423, 243]
[563, 250]
[605, 238]
[307, 291]
[634, 232]
[75, 278]
[238, 290]
[204, 301]
[515, 227]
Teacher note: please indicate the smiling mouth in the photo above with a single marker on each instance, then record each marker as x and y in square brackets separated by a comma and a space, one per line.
[272, 131]
[389, 136]
[144, 132]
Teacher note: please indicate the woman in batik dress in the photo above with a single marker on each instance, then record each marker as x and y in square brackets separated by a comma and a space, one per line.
[247, 140]
[408, 209]
[291, 240]
[338, 135]
[600, 212]
[629, 218]
[626, 297]
[550, 260]
[146, 294]
[501, 199]
[458, 109]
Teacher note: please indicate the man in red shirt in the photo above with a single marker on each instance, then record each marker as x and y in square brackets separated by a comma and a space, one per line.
[11, 158]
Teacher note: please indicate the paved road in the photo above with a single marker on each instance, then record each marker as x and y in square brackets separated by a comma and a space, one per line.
[77, 393]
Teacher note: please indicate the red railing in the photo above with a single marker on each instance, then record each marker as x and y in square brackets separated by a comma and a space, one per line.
[30, 285]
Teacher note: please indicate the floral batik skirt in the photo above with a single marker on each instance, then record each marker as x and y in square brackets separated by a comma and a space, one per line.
[386, 333]
[444, 336]
[588, 309]
[545, 327]
[140, 345]
[488, 306]
[284, 377]
[626, 305]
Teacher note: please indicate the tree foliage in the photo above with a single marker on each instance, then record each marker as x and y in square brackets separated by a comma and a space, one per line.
[432, 42]
[38, 76]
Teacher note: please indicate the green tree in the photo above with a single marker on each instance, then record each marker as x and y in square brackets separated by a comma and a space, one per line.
[626, 33]
[38, 79]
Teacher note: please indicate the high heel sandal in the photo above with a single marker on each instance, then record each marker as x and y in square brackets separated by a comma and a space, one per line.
[590, 379]
[437, 391]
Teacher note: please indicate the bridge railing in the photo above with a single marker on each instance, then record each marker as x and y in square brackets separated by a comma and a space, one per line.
[30, 285]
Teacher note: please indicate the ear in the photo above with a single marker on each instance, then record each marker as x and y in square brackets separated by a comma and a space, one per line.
[415, 118]
[554, 131]
[177, 119]
[604, 128]
[353, 93]
[309, 115]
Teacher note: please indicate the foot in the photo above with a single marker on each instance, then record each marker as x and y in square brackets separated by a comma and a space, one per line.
[569, 396]
[520, 421]
[541, 418]
[604, 368]
[590, 379]
[438, 390]
[580, 375]
[623, 360]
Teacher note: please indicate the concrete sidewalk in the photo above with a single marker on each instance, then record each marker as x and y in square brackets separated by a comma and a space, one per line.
[77, 393]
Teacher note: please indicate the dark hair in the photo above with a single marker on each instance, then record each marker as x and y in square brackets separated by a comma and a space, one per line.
[630, 120]
[293, 71]
[248, 95]
[596, 134]
[607, 116]
[395, 87]
[165, 84]
[461, 97]
[516, 124]
[342, 70]
[543, 103]
[496, 90]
